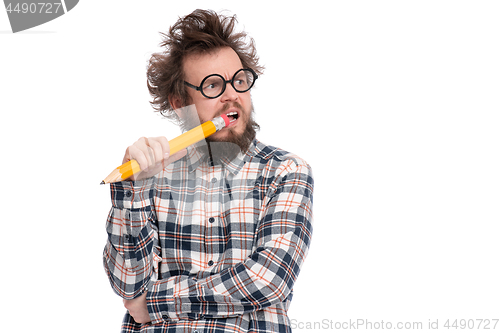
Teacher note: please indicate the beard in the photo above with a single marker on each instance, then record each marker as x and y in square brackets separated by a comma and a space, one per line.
[227, 148]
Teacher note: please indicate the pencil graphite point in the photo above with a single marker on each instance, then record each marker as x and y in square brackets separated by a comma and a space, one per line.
[102, 183]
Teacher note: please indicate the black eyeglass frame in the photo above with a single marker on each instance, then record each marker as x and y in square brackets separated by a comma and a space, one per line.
[200, 89]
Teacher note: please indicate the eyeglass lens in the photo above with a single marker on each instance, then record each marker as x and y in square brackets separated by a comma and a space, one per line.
[214, 85]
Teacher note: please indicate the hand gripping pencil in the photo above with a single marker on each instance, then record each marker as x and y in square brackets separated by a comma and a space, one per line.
[184, 140]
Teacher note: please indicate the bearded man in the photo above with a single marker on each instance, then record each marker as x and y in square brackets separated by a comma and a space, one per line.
[212, 238]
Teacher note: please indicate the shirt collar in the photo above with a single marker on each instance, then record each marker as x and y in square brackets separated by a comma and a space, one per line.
[195, 158]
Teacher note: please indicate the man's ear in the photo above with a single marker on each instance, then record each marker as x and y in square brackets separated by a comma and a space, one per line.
[176, 104]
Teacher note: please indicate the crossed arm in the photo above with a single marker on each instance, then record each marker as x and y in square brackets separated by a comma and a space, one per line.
[265, 278]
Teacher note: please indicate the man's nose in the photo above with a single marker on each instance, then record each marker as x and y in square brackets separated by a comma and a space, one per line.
[229, 94]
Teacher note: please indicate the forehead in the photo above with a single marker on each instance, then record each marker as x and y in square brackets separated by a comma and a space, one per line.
[222, 61]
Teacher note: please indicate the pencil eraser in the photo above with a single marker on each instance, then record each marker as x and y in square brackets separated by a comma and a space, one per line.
[226, 119]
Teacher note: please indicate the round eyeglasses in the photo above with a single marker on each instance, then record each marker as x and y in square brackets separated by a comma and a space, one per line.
[214, 85]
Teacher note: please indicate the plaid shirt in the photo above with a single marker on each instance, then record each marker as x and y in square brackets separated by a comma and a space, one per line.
[216, 248]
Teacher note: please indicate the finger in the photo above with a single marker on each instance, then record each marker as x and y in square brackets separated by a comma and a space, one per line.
[145, 145]
[141, 155]
[164, 145]
[151, 149]
[156, 150]
[139, 151]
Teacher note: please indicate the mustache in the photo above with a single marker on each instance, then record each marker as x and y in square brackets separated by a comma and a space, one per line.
[228, 106]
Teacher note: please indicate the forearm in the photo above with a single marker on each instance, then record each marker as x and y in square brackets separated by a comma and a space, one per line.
[263, 280]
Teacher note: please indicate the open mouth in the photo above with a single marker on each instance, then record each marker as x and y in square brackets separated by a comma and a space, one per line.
[233, 116]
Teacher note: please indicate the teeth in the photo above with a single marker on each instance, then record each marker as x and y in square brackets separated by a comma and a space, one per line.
[233, 116]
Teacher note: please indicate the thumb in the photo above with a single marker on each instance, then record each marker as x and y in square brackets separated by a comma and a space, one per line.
[177, 156]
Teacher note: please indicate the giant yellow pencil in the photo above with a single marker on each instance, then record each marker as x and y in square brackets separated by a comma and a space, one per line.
[184, 140]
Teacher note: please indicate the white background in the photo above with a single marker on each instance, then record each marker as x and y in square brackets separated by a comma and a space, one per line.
[395, 104]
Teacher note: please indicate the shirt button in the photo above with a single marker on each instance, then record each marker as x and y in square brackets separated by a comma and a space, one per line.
[128, 193]
[211, 220]
[214, 180]
[210, 263]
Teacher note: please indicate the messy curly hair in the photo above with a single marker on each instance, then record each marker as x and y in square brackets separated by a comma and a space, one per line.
[201, 32]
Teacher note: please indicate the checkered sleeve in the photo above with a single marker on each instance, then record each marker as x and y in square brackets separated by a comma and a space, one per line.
[267, 276]
[131, 251]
